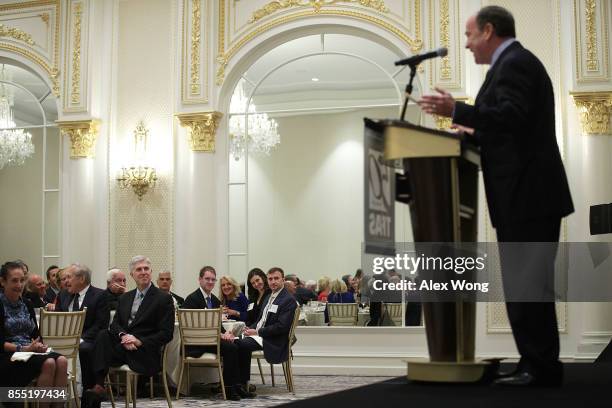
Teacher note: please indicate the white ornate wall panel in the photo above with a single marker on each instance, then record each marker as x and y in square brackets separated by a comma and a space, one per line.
[75, 68]
[144, 92]
[242, 21]
[592, 43]
[446, 26]
[32, 30]
[196, 20]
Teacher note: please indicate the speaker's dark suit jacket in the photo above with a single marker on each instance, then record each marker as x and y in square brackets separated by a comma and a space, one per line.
[153, 325]
[196, 300]
[97, 315]
[275, 332]
[527, 192]
[514, 121]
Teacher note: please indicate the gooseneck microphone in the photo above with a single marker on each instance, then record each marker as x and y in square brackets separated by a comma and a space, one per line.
[417, 59]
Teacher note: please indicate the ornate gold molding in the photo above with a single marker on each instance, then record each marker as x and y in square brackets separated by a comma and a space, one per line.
[595, 111]
[83, 135]
[202, 128]
[17, 34]
[591, 32]
[274, 6]
[223, 58]
[195, 47]
[75, 93]
[50, 65]
[445, 70]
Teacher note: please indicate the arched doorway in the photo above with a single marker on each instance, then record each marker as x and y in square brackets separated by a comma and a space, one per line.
[30, 220]
[301, 205]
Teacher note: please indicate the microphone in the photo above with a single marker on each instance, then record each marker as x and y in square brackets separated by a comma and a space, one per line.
[417, 59]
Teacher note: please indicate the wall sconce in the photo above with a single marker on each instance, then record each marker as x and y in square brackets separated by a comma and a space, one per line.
[140, 178]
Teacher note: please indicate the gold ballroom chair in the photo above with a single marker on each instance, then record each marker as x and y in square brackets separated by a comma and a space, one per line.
[287, 370]
[62, 332]
[200, 327]
[342, 314]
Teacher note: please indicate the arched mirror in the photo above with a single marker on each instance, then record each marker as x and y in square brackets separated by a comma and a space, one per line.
[296, 160]
[30, 161]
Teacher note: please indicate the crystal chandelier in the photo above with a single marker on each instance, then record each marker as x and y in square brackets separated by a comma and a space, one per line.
[262, 134]
[15, 144]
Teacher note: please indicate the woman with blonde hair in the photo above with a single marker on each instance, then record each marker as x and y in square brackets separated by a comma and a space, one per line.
[339, 293]
[323, 285]
[234, 303]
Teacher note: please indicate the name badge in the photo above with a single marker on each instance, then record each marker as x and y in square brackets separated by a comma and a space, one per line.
[273, 308]
[250, 307]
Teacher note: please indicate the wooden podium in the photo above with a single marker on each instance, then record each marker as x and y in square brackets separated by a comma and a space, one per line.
[442, 170]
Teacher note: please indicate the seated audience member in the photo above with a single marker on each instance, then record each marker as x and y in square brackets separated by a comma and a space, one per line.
[301, 294]
[143, 324]
[271, 330]
[52, 286]
[19, 333]
[83, 295]
[234, 303]
[290, 287]
[257, 290]
[311, 285]
[348, 281]
[115, 286]
[35, 290]
[323, 289]
[203, 298]
[339, 293]
[164, 283]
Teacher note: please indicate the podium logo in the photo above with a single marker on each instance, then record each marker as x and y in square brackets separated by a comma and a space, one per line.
[380, 201]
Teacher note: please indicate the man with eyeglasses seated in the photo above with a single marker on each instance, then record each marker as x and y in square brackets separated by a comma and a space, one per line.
[203, 298]
[115, 286]
[143, 324]
[271, 331]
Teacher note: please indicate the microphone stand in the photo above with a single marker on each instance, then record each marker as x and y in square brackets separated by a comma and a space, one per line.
[408, 91]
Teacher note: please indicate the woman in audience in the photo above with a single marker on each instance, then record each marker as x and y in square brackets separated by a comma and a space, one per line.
[234, 302]
[19, 332]
[323, 289]
[339, 293]
[257, 289]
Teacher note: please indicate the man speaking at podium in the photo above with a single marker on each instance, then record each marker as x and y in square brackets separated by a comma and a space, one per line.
[513, 122]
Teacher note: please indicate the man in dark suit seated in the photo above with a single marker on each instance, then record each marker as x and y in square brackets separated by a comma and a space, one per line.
[52, 289]
[513, 122]
[164, 283]
[96, 318]
[143, 324]
[302, 294]
[115, 287]
[271, 330]
[203, 298]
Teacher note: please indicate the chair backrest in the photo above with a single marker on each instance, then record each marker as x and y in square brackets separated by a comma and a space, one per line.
[394, 311]
[342, 314]
[201, 327]
[62, 332]
[294, 323]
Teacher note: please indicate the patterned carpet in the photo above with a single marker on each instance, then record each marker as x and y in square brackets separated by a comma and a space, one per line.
[306, 386]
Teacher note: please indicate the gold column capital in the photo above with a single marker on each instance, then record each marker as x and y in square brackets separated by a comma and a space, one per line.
[202, 128]
[83, 135]
[595, 110]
